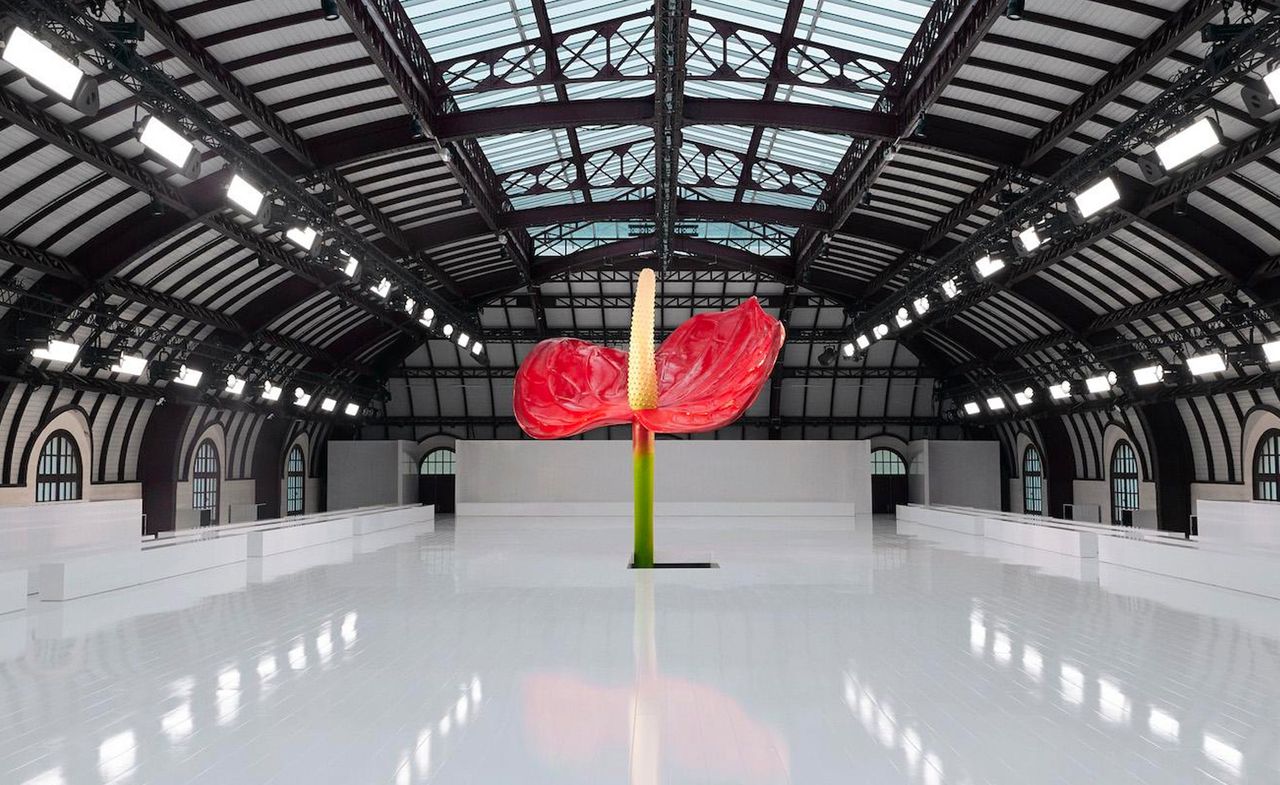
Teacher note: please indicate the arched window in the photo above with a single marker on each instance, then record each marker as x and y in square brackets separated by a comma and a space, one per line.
[295, 478]
[1124, 481]
[886, 461]
[1266, 468]
[438, 461]
[206, 477]
[1032, 482]
[58, 470]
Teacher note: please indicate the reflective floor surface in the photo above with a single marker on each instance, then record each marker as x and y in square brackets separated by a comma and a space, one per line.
[504, 650]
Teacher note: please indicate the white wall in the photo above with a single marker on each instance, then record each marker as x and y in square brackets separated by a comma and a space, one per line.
[686, 472]
[963, 473]
[365, 473]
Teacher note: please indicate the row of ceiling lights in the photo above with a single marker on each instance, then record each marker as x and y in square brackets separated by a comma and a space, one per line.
[58, 76]
[1104, 382]
[67, 352]
[1182, 147]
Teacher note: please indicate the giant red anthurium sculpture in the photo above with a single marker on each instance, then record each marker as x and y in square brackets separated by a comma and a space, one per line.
[703, 377]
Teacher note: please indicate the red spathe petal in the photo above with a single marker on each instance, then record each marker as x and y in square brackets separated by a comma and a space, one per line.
[567, 386]
[712, 368]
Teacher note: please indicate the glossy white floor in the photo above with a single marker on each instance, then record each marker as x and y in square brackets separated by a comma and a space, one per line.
[521, 651]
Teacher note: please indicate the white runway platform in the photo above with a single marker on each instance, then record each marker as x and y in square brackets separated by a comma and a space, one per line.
[519, 651]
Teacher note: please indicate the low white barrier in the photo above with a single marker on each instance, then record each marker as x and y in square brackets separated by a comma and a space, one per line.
[13, 590]
[1249, 569]
[85, 575]
[190, 552]
[1246, 523]
[270, 541]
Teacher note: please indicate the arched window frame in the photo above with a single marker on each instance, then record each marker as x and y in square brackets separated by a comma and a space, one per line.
[888, 461]
[206, 479]
[1033, 481]
[441, 460]
[58, 469]
[1266, 467]
[1124, 479]
[295, 481]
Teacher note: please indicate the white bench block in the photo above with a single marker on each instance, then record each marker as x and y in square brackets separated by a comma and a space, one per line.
[1256, 573]
[390, 519]
[86, 575]
[1044, 537]
[268, 542]
[284, 564]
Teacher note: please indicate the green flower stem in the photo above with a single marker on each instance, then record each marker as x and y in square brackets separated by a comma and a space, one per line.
[642, 475]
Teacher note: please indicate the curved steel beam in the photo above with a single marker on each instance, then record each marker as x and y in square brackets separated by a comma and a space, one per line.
[640, 111]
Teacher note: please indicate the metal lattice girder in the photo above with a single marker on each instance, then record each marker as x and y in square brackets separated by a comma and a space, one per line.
[1145, 201]
[468, 125]
[949, 33]
[100, 320]
[494, 372]
[718, 50]
[1154, 48]
[396, 48]
[621, 335]
[428, 421]
[153, 85]
[61, 136]
[630, 165]
[642, 252]
[1144, 396]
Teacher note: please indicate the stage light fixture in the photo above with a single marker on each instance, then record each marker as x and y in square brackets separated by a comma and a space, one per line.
[303, 236]
[188, 376]
[235, 385]
[328, 404]
[902, 318]
[988, 266]
[880, 330]
[463, 340]
[382, 289]
[1191, 142]
[1271, 351]
[950, 289]
[477, 348]
[169, 146]
[1206, 364]
[1060, 390]
[330, 10]
[447, 330]
[352, 409]
[1101, 383]
[428, 317]
[270, 391]
[1014, 9]
[1260, 96]
[57, 351]
[248, 198]
[1024, 398]
[863, 341]
[921, 305]
[972, 407]
[301, 397]
[848, 350]
[352, 265]
[410, 306]
[50, 71]
[1094, 199]
[130, 365]
[1027, 241]
[1149, 375]
[827, 356]
[995, 404]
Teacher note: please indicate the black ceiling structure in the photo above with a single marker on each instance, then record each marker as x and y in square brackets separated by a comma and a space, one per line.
[512, 170]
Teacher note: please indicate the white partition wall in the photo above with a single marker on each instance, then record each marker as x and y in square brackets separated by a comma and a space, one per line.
[36, 533]
[692, 477]
[365, 473]
[963, 473]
